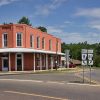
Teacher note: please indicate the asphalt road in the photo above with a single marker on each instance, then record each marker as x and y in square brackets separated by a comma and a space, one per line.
[46, 87]
[95, 75]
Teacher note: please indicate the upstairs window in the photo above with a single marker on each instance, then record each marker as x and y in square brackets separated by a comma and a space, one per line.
[5, 39]
[31, 40]
[43, 43]
[38, 42]
[50, 44]
[19, 39]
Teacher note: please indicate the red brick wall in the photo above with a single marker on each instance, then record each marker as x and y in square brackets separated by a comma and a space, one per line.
[28, 61]
[0, 63]
[12, 61]
[26, 30]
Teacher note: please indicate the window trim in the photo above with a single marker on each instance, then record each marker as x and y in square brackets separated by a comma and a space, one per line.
[31, 46]
[43, 44]
[50, 44]
[21, 39]
[38, 42]
[3, 40]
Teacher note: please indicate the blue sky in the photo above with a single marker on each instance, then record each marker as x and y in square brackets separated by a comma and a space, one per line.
[71, 20]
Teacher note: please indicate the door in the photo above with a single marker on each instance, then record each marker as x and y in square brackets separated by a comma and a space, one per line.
[19, 62]
[4, 64]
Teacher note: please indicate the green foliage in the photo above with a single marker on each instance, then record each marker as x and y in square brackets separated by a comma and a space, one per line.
[97, 61]
[75, 50]
[43, 29]
[24, 20]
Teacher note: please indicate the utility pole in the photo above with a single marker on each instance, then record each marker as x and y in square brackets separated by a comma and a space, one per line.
[56, 53]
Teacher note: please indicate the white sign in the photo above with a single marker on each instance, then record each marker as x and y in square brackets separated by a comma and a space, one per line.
[84, 62]
[90, 56]
[84, 56]
[90, 51]
[90, 62]
[87, 54]
[84, 50]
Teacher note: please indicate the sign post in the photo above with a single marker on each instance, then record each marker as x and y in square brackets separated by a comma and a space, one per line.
[67, 58]
[84, 60]
[90, 60]
[87, 59]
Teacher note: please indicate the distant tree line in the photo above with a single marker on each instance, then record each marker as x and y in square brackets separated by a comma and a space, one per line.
[75, 50]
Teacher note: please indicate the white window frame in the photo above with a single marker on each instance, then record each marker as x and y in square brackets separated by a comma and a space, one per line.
[43, 39]
[21, 39]
[31, 41]
[38, 42]
[50, 44]
[4, 40]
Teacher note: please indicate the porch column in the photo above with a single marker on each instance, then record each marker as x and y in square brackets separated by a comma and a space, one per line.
[46, 61]
[52, 63]
[40, 62]
[9, 63]
[34, 62]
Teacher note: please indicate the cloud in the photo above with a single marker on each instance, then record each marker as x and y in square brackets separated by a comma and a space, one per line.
[46, 9]
[67, 22]
[94, 24]
[74, 37]
[54, 30]
[5, 2]
[88, 12]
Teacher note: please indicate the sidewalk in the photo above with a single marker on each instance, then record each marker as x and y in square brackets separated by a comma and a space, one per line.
[39, 71]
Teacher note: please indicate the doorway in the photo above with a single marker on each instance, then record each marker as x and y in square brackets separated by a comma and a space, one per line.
[5, 64]
[19, 62]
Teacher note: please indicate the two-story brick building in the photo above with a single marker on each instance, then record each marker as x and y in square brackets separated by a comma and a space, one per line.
[23, 47]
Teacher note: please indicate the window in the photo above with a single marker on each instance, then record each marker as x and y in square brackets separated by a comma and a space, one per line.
[31, 40]
[19, 39]
[43, 43]
[50, 44]
[57, 46]
[38, 42]
[5, 39]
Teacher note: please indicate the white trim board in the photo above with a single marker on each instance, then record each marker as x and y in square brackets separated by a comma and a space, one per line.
[26, 50]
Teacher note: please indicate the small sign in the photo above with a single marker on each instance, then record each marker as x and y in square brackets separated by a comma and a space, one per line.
[84, 56]
[90, 51]
[90, 56]
[84, 62]
[84, 51]
[90, 62]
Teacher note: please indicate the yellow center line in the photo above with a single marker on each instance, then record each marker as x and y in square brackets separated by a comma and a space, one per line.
[37, 95]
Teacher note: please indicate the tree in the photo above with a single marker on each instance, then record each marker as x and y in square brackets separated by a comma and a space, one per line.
[24, 20]
[43, 29]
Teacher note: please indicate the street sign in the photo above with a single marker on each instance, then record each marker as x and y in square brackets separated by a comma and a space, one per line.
[90, 59]
[90, 51]
[84, 51]
[90, 56]
[84, 56]
[84, 62]
[87, 57]
[90, 62]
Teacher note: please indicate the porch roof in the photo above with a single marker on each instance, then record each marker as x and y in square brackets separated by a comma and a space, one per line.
[27, 50]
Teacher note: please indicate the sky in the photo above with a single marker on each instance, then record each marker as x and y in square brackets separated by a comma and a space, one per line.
[73, 21]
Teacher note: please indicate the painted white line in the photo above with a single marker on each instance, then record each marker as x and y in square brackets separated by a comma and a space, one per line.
[37, 81]
[84, 84]
[55, 82]
[21, 80]
[36, 95]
